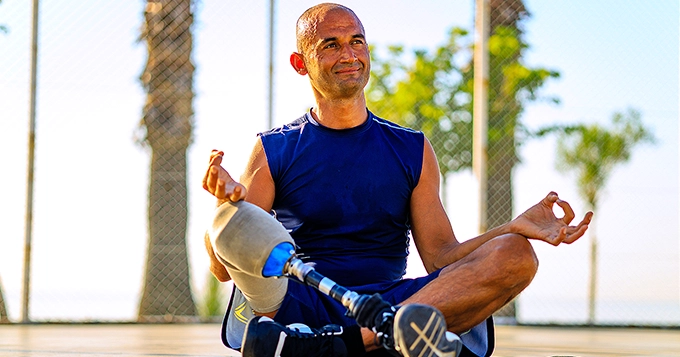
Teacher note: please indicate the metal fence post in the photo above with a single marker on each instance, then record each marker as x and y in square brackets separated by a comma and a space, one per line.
[480, 112]
[31, 159]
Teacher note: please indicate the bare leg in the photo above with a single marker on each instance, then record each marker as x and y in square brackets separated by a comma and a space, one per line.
[468, 291]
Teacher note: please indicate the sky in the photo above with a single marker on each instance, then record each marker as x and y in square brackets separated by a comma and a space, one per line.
[89, 237]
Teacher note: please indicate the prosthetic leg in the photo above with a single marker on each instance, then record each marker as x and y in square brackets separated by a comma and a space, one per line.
[250, 242]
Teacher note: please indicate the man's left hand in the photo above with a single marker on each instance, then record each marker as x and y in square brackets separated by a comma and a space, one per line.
[539, 222]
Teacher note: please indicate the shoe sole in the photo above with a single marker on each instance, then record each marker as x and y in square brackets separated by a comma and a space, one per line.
[420, 331]
[249, 345]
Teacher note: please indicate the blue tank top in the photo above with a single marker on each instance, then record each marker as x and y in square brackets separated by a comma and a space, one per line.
[344, 195]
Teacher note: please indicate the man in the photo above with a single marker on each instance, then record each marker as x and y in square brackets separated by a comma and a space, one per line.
[349, 187]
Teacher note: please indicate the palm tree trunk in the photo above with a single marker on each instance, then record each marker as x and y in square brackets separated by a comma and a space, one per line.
[168, 79]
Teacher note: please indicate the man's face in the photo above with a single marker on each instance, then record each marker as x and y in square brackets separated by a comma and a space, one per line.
[337, 58]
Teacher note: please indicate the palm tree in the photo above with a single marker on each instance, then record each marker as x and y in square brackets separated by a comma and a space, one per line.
[593, 151]
[167, 120]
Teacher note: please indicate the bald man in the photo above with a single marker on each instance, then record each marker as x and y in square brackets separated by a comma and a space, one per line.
[352, 189]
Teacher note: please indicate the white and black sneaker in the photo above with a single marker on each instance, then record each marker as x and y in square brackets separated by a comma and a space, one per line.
[420, 330]
[266, 338]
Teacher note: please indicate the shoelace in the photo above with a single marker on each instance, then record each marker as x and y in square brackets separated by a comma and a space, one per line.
[325, 340]
[383, 332]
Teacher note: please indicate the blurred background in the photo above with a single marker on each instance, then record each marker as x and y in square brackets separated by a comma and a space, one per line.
[130, 97]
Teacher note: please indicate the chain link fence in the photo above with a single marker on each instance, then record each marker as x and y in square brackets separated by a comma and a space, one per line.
[131, 98]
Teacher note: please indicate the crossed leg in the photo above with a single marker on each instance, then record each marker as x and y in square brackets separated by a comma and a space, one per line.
[471, 289]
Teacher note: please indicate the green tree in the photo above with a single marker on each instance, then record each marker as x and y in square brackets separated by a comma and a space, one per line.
[433, 93]
[593, 151]
[426, 95]
[167, 121]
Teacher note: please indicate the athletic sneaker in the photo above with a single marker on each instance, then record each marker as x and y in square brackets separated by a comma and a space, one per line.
[420, 330]
[266, 338]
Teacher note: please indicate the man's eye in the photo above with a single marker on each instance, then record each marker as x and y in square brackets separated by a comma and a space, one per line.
[331, 45]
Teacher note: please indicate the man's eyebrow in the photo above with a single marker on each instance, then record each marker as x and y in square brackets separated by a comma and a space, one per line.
[360, 35]
[331, 39]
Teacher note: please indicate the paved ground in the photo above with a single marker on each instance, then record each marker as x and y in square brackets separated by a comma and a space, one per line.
[203, 340]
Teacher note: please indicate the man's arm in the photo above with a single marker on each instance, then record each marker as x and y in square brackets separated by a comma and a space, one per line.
[434, 237]
[430, 226]
[258, 179]
[256, 186]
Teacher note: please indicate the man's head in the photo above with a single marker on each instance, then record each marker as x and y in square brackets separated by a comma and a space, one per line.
[306, 26]
[332, 50]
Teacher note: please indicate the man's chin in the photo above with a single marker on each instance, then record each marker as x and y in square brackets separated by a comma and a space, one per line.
[352, 85]
[350, 91]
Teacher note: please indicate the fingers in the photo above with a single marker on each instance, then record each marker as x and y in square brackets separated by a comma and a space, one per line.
[209, 179]
[550, 199]
[237, 193]
[574, 233]
[216, 157]
[568, 211]
[219, 183]
[588, 217]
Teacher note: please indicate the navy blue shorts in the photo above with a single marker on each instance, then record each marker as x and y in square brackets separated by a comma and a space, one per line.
[304, 304]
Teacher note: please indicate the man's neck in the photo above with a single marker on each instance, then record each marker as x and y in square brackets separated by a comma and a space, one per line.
[341, 114]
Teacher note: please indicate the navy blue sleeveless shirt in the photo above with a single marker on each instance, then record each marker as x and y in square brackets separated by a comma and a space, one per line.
[344, 195]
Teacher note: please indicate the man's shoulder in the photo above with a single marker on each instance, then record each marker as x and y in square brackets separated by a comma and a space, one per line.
[295, 125]
[393, 126]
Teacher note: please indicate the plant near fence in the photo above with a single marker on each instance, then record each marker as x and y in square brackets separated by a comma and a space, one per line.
[593, 151]
[3, 307]
[213, 301]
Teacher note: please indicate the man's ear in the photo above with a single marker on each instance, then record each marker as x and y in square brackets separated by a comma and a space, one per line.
[297, 63]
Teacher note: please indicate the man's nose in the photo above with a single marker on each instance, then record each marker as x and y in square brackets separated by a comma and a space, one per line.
[348, 54]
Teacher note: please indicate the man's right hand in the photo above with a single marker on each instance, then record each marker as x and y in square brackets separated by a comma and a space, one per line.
[219, 183]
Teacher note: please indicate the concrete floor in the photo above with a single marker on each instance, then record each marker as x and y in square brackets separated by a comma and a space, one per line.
[54, 340]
